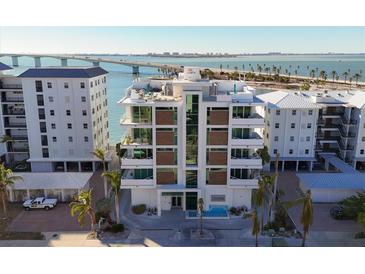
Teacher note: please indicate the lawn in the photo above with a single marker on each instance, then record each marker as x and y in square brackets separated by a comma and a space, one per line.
[13, 211]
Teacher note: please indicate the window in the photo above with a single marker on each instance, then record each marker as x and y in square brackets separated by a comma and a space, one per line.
[309, 125]
[363, 139]
[45, 153]
[276, 138]
[43, 127]
[93, 111]
[86, 139]
[68, 112]
[69, 125]
[218, 198]
[275, 151]
[310, 112]
[50, 99]
[70, 139]
[82, 85]
[83, 99]
[290, 151]
[294, 112]
[361, 151]
[54, 139]
[38, 86]
[51, 112]
[91, 84]
[278, 112]
[49, 85]
[92, 97]
[292, 125]
[308, 138]
[84, 113]
[53, 126]
[291, 138]
[306, 151]
[276, 125]
[98, 81]
[65, 85]
[85, 126]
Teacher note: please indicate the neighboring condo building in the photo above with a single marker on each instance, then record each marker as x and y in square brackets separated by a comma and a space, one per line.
[301, 126]
[188, 138]
[54, 118]
[67, 117]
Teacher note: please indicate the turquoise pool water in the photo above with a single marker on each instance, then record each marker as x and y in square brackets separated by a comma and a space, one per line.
[213, 212]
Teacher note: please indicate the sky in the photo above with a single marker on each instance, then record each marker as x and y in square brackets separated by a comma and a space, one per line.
[133, 40]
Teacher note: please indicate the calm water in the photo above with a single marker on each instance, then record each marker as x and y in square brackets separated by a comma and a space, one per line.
[120, 77]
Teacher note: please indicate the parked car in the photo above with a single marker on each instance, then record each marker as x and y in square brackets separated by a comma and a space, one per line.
[338, 213]
[40, 202]
[20, 167]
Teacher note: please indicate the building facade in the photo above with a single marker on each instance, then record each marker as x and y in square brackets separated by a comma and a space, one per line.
[54, 118]
[188, 138]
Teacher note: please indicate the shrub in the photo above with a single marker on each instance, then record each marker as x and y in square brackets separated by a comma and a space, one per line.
[305, 86]
[99, 215]
[139, 209]
[360, 235]
[117, 228]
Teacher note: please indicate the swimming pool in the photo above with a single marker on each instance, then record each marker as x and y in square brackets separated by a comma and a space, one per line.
[214, 212]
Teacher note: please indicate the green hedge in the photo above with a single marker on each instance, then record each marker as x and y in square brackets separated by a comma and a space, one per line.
[139, 209]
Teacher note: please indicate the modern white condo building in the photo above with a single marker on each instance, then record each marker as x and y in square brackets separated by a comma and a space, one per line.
[301, 126]
[54, 118]
[188, 138]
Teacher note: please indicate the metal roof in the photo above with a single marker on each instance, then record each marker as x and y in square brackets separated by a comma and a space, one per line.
[63, 72]
[332, 180]
[52, 180]
[4, 66]
[283, 99]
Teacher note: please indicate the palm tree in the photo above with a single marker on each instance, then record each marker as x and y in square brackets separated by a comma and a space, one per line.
[221, 66]
[243, 67]
[83, 206]
[323, 75]
[345, 74]
[6, 179]
[115, 181]
[7, 139]
[255, 226]
[101, 155]
[201, 211]
[306, 218]
[334, 73]
[275, 183]
[260, 201]
[312, 73]
[357, 76]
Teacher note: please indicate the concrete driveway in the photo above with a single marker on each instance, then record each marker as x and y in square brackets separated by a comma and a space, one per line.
[57, 219]
[322, 220]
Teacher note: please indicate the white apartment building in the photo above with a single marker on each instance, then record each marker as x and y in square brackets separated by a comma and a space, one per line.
[66, 117]
[188, 138]
[301, 126]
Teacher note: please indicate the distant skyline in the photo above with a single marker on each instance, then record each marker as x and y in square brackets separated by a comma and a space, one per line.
[142, 40]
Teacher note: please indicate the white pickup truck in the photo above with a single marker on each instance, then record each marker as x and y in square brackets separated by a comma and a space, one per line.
[40, 202]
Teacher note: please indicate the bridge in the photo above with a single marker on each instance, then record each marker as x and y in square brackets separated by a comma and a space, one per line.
[135, 65]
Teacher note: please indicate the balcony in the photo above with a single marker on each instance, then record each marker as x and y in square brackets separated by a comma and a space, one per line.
[10, 86]
[252, 139]
[6, 99]
[165, 117]
[217, 158]
[130, 180]
[218, 117]
[243, 183]
[165, 158]
[216, 177]
[164, 137]
[348, 122]
[249, 161]
[128, 121]
[15, 125]
[217, 137]
[14, 112]
[252, 120]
